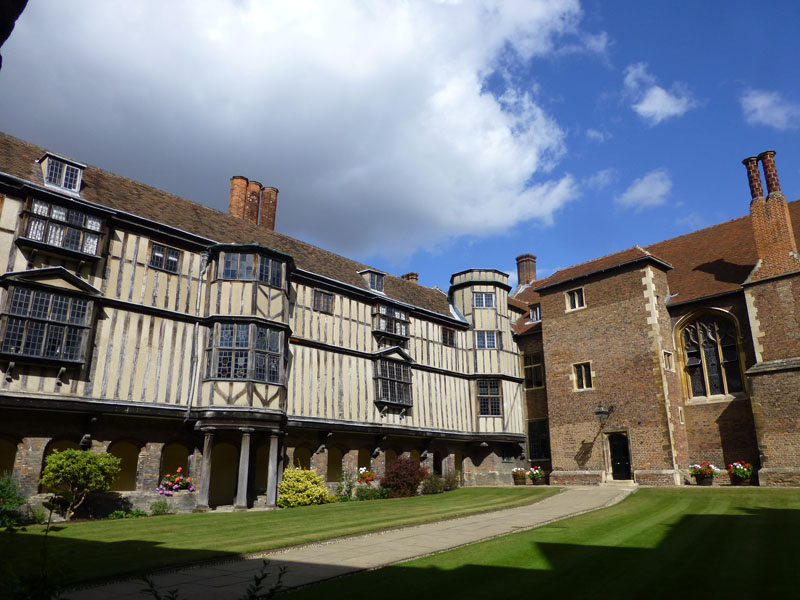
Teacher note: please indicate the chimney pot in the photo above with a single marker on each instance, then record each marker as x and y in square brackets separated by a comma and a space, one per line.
[753, 177]
[526, 268]
[252, 202]
[411, 277]
[238, 194]
[767, 159]
[269, 206]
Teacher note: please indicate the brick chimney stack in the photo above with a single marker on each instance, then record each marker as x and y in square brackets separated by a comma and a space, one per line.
[411, 277]
[252, 202]
[772, 227]
[526, 268]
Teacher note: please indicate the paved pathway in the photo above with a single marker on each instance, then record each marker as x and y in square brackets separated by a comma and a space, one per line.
[325, 560]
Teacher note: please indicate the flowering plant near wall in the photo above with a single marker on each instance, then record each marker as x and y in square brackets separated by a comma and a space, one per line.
[704, 469]
[518, 472]
[365, 476]
[740, 469]
[174, 483]
[535, 473]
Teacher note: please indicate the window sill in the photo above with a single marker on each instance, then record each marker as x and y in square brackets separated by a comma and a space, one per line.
[163, 270]
[45, 248]
[26, 359]
[591, 389]
[241, 380]
[716, 399]
[533, 389]
[490, 416]
[399, 336]
[572, 310]
[385, 402]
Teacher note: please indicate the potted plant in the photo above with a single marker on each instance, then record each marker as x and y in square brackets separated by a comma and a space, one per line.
[740, 472]
[703, 473]
[365, 476]
[519, 474]
[175, 483]
[536, 475]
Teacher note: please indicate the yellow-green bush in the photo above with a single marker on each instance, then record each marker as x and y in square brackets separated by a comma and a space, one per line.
[301, 488]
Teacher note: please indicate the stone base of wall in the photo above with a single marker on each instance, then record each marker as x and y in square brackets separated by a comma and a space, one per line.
[99, 506]
[660, 477]
[777, 477]
[576, 478]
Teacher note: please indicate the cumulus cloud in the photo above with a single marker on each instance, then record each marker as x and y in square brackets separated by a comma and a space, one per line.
[761, 107]
[373, 120]
[652, 102]
[649, 190]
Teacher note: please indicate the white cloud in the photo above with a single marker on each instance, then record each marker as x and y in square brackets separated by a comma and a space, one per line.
[649, 190]
[691, 220]
[598, 136]
[601, 179]
[652, 102]
[372, 120]
[761, 107]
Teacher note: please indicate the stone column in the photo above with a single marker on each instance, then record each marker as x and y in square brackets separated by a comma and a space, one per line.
[244, 471]
[205, 477]
[319, 463]
[272, 471]
[149, 467]
[28, 463]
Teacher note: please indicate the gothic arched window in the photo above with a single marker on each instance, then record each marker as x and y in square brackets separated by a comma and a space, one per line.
[711, 356]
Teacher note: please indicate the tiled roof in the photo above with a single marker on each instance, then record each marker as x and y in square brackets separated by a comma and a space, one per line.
[18, 158]
[708, 262]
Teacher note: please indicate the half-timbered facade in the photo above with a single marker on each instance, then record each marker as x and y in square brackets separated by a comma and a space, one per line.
[173, 335]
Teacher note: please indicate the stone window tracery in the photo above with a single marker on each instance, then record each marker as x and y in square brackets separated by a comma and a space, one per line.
[711, 357]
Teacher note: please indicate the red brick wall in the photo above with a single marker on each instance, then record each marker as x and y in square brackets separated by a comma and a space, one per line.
[613, 333]
[777, 305]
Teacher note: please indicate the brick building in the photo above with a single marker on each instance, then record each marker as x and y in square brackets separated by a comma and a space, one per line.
[643, 362]
[171, 334]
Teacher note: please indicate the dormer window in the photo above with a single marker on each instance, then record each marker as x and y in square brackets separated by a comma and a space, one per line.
[62, 173]
[374, 279]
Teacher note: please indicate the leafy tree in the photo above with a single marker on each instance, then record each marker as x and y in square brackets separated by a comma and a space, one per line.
[73, 474]
[11, 499]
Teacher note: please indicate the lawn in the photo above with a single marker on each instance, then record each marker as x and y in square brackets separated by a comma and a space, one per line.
[97, 549]
[658, 543]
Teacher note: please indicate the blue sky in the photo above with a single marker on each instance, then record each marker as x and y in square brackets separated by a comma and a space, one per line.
[424, 136]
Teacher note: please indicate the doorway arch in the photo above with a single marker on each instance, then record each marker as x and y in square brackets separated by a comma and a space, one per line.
[224, 472]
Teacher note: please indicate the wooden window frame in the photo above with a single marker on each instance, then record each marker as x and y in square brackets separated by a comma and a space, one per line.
[580, 373]
[245, 352]
[272, 276]
[393, 382]
[482, 339]
[391, 321]
[166, 254]
[530, 362]
[479, 300]
[57, 228]
[324, 301]
[575, 299]
[490, 405]
[449, 337]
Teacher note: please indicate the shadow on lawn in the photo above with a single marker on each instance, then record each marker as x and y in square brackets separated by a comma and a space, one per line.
[750, 555]
[75, 560]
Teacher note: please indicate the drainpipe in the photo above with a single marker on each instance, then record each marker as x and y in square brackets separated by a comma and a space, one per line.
[195, 333]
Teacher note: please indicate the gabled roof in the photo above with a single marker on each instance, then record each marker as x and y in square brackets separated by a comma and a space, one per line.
[18, 158]
[708, 262]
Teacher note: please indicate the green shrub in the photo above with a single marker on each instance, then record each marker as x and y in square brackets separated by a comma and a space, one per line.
[136, 513]
[403, 477]
[11, 499]
[371, 493]
[344, 488]
[300, 488]
[452, 480]
[160, 507]
[117, 514]
[73, 474]
[434, 484]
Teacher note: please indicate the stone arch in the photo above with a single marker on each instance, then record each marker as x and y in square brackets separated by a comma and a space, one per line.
[390, 456]
[8, 454]
[334, 464]
[414, 455]
[224, 472]
[128, 454]
[173, 456]
[364, 459]
[710, 354]
[302, 458]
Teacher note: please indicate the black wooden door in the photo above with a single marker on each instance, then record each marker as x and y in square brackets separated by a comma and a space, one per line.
[620, 456]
